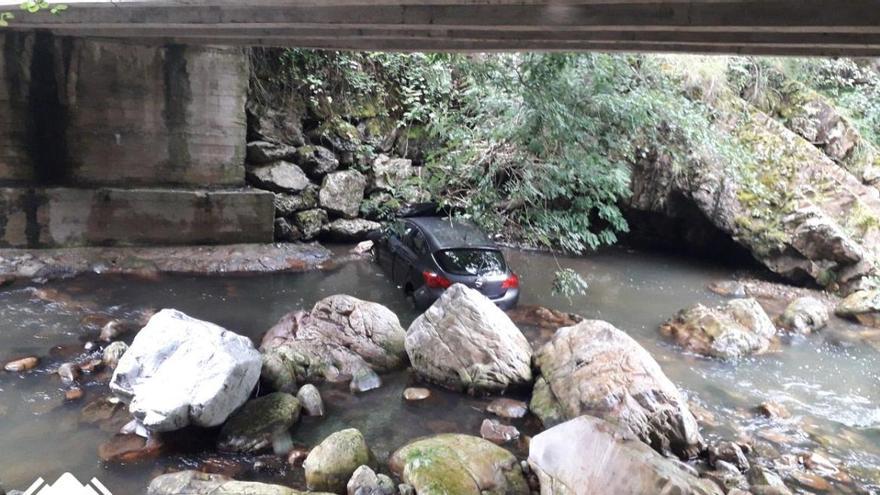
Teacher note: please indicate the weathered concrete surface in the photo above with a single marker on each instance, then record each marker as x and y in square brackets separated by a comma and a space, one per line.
[66, 217]
[84, 112]
[780, 27]
[45, 264]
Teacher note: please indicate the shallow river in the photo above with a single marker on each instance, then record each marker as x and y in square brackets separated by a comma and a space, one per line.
[832, 390]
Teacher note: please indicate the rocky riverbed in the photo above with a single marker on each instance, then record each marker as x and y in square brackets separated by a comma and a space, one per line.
[797, 411]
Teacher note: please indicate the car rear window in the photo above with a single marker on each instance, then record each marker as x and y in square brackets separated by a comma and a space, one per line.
[470, 261]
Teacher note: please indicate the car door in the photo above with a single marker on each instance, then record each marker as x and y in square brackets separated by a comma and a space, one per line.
[383, 251]
[401, 255]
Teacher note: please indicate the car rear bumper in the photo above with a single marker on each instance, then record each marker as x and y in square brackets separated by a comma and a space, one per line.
[425, 297]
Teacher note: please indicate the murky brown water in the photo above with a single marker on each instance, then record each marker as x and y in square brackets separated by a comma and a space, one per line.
[832, 390]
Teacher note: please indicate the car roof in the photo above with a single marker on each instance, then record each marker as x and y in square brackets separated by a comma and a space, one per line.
[447, 233]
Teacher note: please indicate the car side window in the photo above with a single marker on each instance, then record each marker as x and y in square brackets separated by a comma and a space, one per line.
[416, 241]
[399, 230]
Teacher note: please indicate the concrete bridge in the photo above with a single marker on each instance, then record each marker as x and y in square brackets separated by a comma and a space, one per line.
[124, 122]
[770, 27]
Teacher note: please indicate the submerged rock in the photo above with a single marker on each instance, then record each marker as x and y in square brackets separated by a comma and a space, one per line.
[508, 408]
[259, 422]
[331, 464]
[23, 364]
[416, 393]
[496, 432]
[341, 338]
[594, 368]
[862, 306]
[588, 455]
[465, 342]
[459, 464]
[736, 329]
[129, 448]
[342, 192]
[181, 371]
[805, 315]
[196, 483]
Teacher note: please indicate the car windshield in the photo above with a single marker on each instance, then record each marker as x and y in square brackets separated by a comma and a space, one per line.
[470, 261]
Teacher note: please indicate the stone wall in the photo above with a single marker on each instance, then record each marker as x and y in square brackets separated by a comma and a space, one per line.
[80, 116]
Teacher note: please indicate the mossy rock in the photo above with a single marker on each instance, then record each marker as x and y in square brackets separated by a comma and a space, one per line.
[253, 427]
[459, 464]
[330, 465]
[544, 405]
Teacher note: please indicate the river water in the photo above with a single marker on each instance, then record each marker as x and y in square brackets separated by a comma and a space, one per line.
[831, 388]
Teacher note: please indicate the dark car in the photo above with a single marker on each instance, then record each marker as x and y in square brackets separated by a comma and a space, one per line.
[425, 255]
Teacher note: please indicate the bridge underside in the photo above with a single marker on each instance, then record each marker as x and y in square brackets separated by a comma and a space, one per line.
[770, 27]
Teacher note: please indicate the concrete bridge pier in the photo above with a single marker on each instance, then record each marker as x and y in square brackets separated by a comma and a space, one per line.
[115, 143]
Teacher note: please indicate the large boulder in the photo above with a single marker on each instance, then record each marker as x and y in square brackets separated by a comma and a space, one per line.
[342, 192]
[316, 161]
[350, 230]
[594, 368]
[389, 174]
[862, 306]
[181, 371]
[278, 176]
[342, 337]
[459, 464]
[465, 342]
[588, 455]
[331, 464]
[730, 331]
[198, 483]
[805, 315]
[259, 423]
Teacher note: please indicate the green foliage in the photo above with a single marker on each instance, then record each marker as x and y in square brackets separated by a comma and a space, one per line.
[32, 7]
[539, 146]
[569, 283]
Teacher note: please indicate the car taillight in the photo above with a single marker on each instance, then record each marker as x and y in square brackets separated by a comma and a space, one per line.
[435, 281]
[512, 282]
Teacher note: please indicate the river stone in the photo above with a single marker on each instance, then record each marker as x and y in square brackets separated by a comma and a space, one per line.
[862, 306]
[310, 222]
[261, 152]
[389, 174]
[365, 481]
[181, 371]
[508, 408]
[341, 337]
[288, 204]
[350, 230]
[23, 364]
[588, 455]
[316, 161]
[113, 353]
[805, 315]
[460, 464]
[260, 421]
[465, 342]
[734, 330]
[197, 483]
[594, 368]
[310, 398]
[331, 464]
[342, 192]
[278, 176]
[496, 432]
